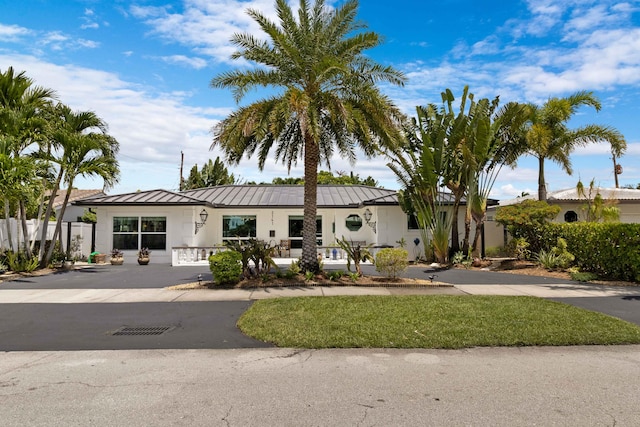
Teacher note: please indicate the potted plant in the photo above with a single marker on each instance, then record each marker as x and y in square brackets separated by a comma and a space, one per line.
[117, 257]
[143, 256]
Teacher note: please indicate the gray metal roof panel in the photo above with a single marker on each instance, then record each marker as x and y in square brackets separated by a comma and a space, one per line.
[287, 195]
[151, 197]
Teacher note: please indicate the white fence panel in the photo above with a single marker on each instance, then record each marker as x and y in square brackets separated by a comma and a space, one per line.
[80, 235]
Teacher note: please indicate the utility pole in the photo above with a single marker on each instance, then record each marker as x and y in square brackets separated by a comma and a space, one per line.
[182, 164]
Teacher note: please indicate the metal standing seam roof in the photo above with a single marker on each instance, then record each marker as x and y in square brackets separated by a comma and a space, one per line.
[151, 197]
[276, 196]
[289, 195]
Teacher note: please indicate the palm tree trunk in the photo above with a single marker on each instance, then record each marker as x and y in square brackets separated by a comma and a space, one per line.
[542, 187]
[7, 218]
[25, 233]
[45, 221]
[38, 219]
[467, 230]
[455, 238]
[58, 231]
[309, 245]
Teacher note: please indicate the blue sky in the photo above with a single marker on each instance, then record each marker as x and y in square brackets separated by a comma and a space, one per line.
[145, 68]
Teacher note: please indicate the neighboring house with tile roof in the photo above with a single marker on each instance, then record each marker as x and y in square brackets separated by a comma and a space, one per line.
[171, 222]
[73, 212]
[572, 208]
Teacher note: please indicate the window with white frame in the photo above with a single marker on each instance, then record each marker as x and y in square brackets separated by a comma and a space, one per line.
[136, 232]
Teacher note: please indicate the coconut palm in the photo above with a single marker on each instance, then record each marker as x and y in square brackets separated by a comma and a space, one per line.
[82, 148]
[325, 98]
[549, 137]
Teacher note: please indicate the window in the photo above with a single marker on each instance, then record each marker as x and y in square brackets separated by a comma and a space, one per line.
[133, 233]
[295, 231]
[570, 216]
[353, 222]
[239, 226]
[412, 222]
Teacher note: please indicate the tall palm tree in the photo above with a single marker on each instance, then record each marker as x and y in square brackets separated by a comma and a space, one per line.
[82, 148]
[326, 97]
[549, 137]
[21, 125]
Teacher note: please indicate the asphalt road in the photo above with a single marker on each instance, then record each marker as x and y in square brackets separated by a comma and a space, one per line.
[193, 325]
[626, 307]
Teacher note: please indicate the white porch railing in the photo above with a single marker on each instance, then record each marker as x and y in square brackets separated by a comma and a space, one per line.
[193, 255]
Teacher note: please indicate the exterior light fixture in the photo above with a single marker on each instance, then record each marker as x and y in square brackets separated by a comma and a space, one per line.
[203, 220]
[367, 218]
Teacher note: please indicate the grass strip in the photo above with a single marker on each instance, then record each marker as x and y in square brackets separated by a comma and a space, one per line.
[420, 321]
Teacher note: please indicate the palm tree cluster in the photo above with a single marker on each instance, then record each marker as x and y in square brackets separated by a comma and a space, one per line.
[44, 145]
[326, 99]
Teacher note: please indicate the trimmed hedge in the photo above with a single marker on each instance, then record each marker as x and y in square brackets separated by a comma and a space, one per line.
[226, 267]
[610, 250]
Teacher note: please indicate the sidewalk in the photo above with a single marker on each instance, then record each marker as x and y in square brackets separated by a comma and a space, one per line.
[133, 283]
[83, 296]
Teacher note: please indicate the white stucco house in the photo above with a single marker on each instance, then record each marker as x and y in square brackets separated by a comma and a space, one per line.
[182, 227]
[572, 208]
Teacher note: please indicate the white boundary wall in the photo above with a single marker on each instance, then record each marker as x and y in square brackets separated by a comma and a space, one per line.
[79, 231]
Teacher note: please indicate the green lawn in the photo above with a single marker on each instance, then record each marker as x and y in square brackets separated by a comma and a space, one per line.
[429, 322]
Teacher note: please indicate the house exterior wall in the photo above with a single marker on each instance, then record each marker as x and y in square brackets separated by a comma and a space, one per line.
[272, 225]
[180, 228]
[629, 212]
[494, 232]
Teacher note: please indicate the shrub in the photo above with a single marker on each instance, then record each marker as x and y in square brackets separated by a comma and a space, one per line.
[458, 257]
[609, 250]
[355, 253]
[565, 258]
[335, 275]
[518, 247]
[309, 275]
[18, 262]
[392, 262]
[226, 267]
[547, 259]
[525, 219]
[581, 276]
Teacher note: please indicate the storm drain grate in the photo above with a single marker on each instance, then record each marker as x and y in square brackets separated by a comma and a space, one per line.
[142, 330]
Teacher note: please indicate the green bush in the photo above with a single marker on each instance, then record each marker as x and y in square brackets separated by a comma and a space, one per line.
[580, 276]
[565, 258]
[518, 247]
[392, 261]
[458, 257]
[18, 262]
[548, 259]
[609, 250]
[226, 267]
[335, 275]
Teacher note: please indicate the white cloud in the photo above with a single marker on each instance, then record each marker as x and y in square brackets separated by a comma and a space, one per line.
[12, 33]
[196, 63]
[152, 128]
